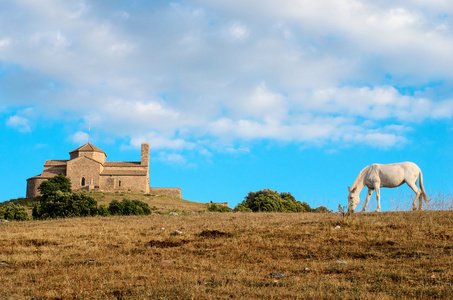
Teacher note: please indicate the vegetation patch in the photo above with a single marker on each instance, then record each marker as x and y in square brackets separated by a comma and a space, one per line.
[165, 244]
[212, 234]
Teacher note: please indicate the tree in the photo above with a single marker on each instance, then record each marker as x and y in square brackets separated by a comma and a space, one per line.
[57, 183]
[57, 200]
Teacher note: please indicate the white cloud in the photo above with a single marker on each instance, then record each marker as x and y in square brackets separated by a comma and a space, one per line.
[443, 109]
[239, 31]
[171, 158]
[80, 137]
[4, 42]
[19, 123]
[157, 141]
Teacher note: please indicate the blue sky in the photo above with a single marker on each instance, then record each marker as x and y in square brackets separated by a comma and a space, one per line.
[233, 96]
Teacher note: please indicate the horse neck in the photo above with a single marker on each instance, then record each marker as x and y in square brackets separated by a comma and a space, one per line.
[359, 182]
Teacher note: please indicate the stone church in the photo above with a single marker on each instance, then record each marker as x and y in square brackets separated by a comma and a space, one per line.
[88, 170]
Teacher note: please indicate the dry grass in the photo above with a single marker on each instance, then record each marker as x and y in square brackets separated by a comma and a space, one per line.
[230, 255]
[160, 204]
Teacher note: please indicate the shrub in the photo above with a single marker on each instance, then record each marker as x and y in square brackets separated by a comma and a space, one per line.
[321, 209]
[20, 201]
[219, 208]
[268, 200]
[272, 201]
[65, 204]
[129, 207]
[103, 210]
[13, 212]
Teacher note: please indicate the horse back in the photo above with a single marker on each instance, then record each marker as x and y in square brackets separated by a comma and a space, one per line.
[392, 175]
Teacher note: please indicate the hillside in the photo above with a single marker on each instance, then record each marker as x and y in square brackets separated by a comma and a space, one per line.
[390, 255]
[159, 204]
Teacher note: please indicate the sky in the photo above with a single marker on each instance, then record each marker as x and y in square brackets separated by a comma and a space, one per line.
[233, 96]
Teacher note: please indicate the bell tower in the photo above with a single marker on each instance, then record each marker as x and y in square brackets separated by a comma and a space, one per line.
[145, 155]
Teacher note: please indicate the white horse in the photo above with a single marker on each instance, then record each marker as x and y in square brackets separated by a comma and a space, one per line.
[376, 176]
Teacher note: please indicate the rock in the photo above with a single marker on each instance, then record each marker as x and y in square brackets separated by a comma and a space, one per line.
[177, 232]
[337, 227]
[172, 213]
[165, 263]
[4, 264]
[277, 275]
[341, 262]
[3, 220]
[392, 242]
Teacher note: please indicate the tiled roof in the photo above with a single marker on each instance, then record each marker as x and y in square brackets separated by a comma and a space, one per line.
[43, 176]
[86, 157]
[88, 147]
[55, 163]
[122, 164]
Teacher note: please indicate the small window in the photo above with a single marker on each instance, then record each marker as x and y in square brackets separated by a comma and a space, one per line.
[119, 183]
[83, 181]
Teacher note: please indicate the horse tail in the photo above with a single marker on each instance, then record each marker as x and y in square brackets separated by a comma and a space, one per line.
[420, 182]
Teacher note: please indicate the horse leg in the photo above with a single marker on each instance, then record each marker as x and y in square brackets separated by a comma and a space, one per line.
[413, 186]
[368, 196]
[378, 198]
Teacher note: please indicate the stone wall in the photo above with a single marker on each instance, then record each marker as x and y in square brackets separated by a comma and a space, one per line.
[174, 192]
[124, 183]
[83, 172]
[32, 186]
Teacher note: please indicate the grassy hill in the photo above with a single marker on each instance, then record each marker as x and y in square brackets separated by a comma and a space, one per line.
[159, 204]
[389, 255]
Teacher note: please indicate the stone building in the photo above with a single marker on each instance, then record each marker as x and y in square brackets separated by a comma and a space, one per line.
[88, 170]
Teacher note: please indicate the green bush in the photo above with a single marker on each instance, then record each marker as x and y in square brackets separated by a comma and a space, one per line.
[65, 204]
[13, 212]
[321, 209]
[268, 200]
[129, 207]
[272, 201]
[219, 208]
[103, 210]
[20, 201]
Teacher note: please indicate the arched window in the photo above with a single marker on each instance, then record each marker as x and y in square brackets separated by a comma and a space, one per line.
[83, 181]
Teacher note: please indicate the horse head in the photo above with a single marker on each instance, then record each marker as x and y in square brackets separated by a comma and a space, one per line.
[353, 199]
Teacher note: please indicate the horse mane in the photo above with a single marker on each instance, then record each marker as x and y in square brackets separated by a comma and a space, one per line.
[359, 178]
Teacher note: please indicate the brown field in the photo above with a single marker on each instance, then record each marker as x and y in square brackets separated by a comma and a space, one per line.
[403, 255]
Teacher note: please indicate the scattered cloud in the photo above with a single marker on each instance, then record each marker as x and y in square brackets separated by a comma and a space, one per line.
[172, 158]
[239, 31]
[80, 137]
[19, 123]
